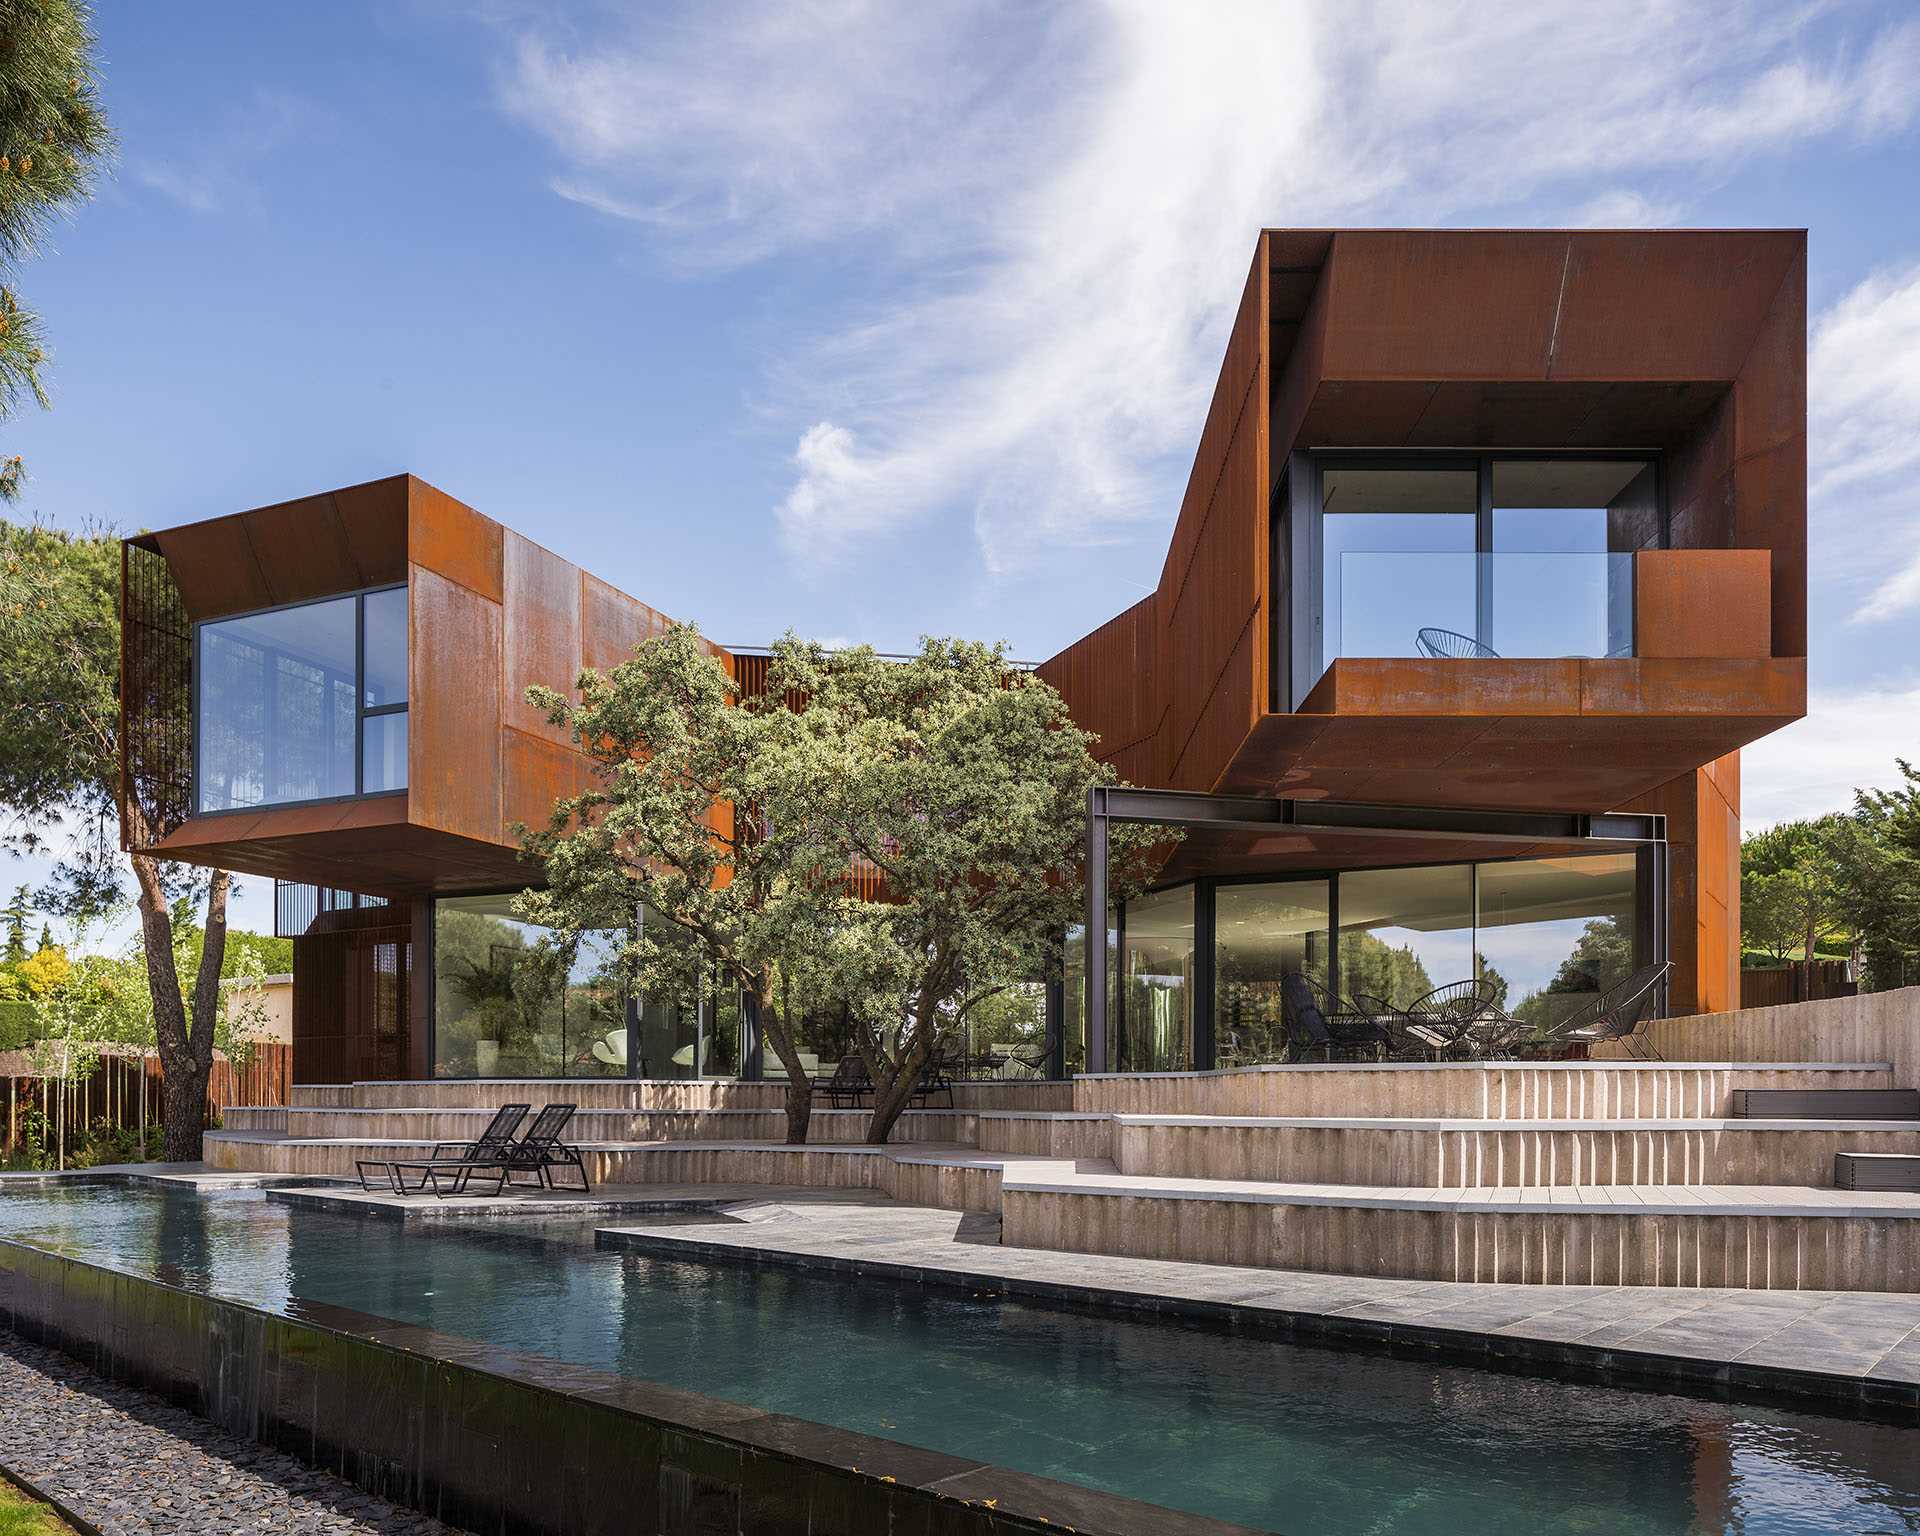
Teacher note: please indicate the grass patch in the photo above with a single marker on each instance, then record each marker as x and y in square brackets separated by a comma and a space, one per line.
[22, 1516]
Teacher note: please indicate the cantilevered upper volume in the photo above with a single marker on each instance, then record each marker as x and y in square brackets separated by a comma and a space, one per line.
[330, 690]
[1502, 519]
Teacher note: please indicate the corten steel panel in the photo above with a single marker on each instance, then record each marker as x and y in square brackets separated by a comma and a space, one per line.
[1213, 585]
[541, 639]
[1644, 305]
[291, 551]
[1107, 680]
[1439, 304]
[539, 771]
[454, 673]
[452, 540]
[1703, 603]
[612, 624]
[1580, 762]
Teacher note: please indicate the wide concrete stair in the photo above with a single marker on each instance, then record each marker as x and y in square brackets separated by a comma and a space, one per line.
[1558, 1173]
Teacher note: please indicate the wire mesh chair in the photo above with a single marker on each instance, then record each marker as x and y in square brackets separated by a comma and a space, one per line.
[1449, 1018]
[1619, 1013]
[1351, 1028]
[1451, 645]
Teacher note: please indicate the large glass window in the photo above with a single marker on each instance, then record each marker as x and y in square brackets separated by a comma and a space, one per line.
[1397, 554]
[1007, 1033]
[1553, 932]
[1261, 932]
[303, 703]
[1404, 932]
[1554, 589]
[1478, 556]
[507, 1003]
[1156, 1023]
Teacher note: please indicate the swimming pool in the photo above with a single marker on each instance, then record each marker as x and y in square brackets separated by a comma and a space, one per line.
[1290, 1437]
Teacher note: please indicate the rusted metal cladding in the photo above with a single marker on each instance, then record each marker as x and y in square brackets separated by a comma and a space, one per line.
[1212, 596]
[338, 541]
[1109, 681]
[1703, 853]
[156, 703]
[455, 766]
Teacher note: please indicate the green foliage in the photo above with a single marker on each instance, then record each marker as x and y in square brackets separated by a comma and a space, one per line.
[1370, 965]
[16, 914]
[1875, 857]
[736, 824]
[1789, 892]
[52, 138]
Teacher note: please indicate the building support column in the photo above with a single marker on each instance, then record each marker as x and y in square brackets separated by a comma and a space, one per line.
[1096, 873]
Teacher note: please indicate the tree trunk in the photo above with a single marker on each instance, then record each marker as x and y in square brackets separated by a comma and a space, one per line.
[891, 1097]
[774, 1029]
[185, 1036]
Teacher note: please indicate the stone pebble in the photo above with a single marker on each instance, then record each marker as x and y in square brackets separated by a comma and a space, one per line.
[128, 1462]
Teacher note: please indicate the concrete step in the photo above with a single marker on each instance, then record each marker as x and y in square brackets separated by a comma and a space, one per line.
[1501, 1154]
[1748, 1236]
[1559, 1090]
[449, 1123]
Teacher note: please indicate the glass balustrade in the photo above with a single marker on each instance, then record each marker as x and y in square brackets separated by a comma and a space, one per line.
[1461, 604]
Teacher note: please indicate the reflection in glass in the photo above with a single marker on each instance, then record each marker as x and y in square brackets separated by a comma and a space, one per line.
[509, 1003]
[1404, 932]
[276, 706]
[384, 753]
[1552, 591]
[1261, 932]
[386, 656]
[1553, 932]
[1374, 607]
[1156, 1025]
[1007, 1033]
[1073, 1000]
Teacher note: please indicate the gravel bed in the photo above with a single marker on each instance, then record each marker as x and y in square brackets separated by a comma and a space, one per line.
[128, 1462]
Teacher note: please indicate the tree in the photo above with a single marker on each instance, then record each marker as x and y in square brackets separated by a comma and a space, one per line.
[1789, 894]
[17, 912]
[1875, 854]
[59, 767]
[52, 136]
[963, 783]
[720, 836]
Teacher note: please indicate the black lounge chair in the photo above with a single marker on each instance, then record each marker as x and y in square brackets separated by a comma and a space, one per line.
[1619, 1013]
[457, 1161]
[541, 1150]
[1451, 645]
[1352, 1027]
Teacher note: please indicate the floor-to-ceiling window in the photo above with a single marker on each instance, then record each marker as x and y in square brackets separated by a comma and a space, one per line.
[1554, 932]
[1262, 931]
[1397, 555]
[1156, 979]
[1549, 933]
[307, 702]
[1480, 556]
[508, 1002]
[1404, 932]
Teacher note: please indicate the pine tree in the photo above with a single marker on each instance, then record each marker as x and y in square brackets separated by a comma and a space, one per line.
[16, 914]
[52, 136]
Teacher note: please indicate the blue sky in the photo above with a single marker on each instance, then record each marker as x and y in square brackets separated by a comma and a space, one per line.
[877, 319]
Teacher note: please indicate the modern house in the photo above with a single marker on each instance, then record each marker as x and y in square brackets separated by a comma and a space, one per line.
[1492, 557]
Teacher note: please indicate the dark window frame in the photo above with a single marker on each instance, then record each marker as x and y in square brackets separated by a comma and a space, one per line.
[362, 712]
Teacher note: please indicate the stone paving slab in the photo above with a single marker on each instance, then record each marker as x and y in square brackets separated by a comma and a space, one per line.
[131, 1465]
[1862, 1347]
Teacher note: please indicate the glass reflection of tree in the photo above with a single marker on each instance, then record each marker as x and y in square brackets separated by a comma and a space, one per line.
[1601, 956]
[1371, 965]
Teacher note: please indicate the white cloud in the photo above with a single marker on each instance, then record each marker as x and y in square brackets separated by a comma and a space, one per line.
[1848, 741]
[1054, 211]
[1864, 403]
[1623, 210]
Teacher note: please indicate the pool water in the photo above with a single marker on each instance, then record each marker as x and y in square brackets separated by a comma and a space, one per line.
[1294, 1438]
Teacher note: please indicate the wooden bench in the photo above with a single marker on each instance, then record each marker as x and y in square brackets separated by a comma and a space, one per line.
[1876, 1170]
[1826, 1104]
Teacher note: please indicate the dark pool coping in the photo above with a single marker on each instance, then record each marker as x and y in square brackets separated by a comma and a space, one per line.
[1610, 1365]
[958, 1494]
